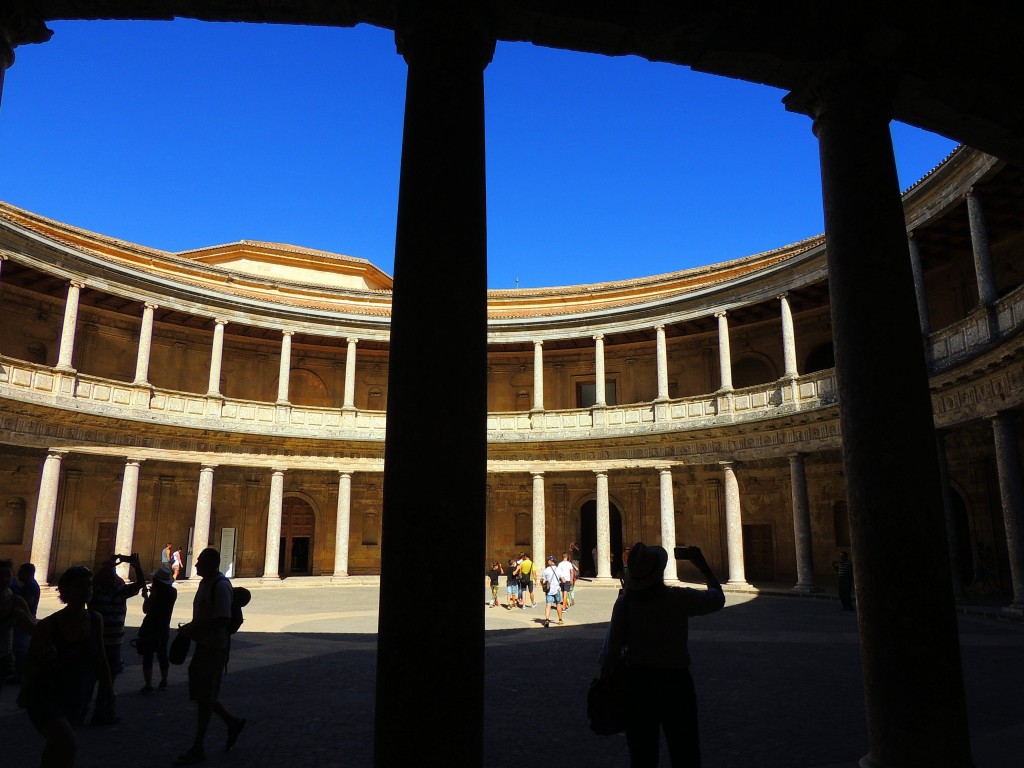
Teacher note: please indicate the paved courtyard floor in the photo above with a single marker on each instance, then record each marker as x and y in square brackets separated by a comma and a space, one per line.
[778, 684]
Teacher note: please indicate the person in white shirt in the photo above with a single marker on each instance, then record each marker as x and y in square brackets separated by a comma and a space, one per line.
[553, 594]
[565, 573]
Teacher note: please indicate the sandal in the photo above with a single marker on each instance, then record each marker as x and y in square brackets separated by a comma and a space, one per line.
[190, 757]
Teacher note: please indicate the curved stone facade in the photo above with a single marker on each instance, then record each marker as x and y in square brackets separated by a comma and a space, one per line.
[247, 383]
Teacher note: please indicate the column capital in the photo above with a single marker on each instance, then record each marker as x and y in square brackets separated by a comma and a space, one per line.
[351, 340]
[659, 327]
[664, 469]
[969, 193]
[4, 257]
[600, 472]
[721, 313]
[206, 467]
[598, 337]
[287, 333]
[345, 473]
[79, 284]
[536, 473]
[538, 342]
[150, 305]
[865, 92]
[781, 296]
[129, 460]
[728, 463]
[795, 455]
[57, 453]
[278, 470]
[220, 321]
[452, 33]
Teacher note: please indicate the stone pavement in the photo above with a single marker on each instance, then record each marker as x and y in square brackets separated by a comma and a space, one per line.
[778, 684]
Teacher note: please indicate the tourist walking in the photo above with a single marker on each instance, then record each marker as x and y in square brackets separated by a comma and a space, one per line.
[844, 568]
[526, 579]
[156, 627]
[177, 563]
[65, 659]
[648, 633]
[14, 613]
[552, 591]
[209, 630]
[494, 576]
[565, 576]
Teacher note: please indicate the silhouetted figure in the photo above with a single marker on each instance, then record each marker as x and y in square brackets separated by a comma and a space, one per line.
[648, 634]
[512, 585]
[844, 568]
[984, 582]
[552, 590]
[64, 660]
[209, 630]
[14, 613]
[27, 588]
[494, 576]
[156, 626]
[110, 596]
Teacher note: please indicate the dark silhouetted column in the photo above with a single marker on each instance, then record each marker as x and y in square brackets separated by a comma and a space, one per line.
[950, 515]
[1011, 493]
[802, 539]
[430, 654]
[910, 651]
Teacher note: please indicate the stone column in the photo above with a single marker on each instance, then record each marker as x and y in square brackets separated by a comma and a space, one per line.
[724, 355]
[46, 515]
[668, 521]
[983, 269]
[284, 370]
[788, 338]
[733, 525]
[604, 545]
[349, 402]
[3, 256]
[913, 684]
[145, 346]
[272, 565]
[662, 352]
[538, 375]
[441, 232]
[920, 293]
[1011, 493]
[204, 511]
[344, 523]
[600, 400]
[67, 334]
[956, 567]
[539, 520]
[216, 358]
[125, 535]
[801, 525]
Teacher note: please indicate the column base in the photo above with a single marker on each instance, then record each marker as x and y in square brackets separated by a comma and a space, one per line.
[738, 584]
[1013, 609]
[807, 589]
[66, 369]
[340, 577]
[268, 579]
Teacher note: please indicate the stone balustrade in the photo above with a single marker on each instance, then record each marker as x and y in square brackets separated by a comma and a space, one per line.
[965, 338]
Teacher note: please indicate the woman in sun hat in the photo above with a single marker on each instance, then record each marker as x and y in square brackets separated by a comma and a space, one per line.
[648, 634]
[156, 626]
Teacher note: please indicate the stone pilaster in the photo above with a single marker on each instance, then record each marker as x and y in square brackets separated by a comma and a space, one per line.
[668, 520]
[67, 333]
[343, 523]
[271, 567]
[145, 346]
[801, 525]
[46, 515]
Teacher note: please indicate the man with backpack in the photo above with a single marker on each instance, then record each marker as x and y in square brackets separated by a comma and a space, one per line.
[210, 630]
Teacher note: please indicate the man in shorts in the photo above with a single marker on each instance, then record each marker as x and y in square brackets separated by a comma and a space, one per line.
[565, 578]
[211, 614]
[553, 595]
[526, 579]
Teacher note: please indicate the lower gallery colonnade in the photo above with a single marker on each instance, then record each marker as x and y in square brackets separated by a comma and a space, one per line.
[893, 477]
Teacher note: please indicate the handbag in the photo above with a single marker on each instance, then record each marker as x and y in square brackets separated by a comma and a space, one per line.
[147, 640]
[606, 701]
[180, 647]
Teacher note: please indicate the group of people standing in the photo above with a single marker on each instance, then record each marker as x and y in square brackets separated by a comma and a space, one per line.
[557, 580]
[74, 655]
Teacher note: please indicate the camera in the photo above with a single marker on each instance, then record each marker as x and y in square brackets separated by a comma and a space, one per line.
[118, 559]
[684, 553]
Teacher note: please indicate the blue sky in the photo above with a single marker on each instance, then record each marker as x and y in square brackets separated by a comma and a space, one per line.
[181, 135]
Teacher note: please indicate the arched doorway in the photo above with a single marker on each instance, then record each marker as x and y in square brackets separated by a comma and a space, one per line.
[588, 538]
[298, 524]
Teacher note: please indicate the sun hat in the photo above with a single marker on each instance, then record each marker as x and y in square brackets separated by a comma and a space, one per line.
[163, 573]
[646, 566]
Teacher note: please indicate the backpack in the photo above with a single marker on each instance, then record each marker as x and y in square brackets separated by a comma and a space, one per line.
[240, 597]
